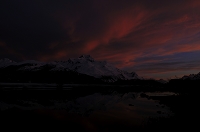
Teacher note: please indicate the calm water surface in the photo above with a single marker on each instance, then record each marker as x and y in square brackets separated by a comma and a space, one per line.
[96, 111]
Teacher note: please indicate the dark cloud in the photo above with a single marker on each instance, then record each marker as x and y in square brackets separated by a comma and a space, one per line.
[27, 29]
[160, 66]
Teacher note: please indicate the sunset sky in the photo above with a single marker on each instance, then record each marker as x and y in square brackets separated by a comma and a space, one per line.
[154, 38]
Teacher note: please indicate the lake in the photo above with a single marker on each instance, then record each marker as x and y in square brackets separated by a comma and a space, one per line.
[85, 109]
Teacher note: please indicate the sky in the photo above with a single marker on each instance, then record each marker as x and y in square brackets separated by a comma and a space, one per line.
[154, 38]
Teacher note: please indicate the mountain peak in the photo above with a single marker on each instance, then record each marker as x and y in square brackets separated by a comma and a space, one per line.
[87, 57]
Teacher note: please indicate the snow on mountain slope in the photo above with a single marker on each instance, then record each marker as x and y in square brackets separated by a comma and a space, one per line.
[30, 65]
[6, 62]
[50, 66]
[85, 64]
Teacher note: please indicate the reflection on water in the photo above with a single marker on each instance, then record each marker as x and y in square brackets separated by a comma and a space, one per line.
[160, 93]
[96, 110]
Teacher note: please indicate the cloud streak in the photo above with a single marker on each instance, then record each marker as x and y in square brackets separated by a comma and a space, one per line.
[135, 35]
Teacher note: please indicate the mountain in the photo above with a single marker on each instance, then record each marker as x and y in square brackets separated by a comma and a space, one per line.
[6, 62]
[191, 77]
[187, 83]
[84, 66]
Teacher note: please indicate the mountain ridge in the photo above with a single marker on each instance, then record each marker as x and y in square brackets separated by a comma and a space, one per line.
[84, 64]
[191, 77]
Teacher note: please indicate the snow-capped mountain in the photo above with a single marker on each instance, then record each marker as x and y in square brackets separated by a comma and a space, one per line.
[192, 77]
[6, 62]
[85, 64]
